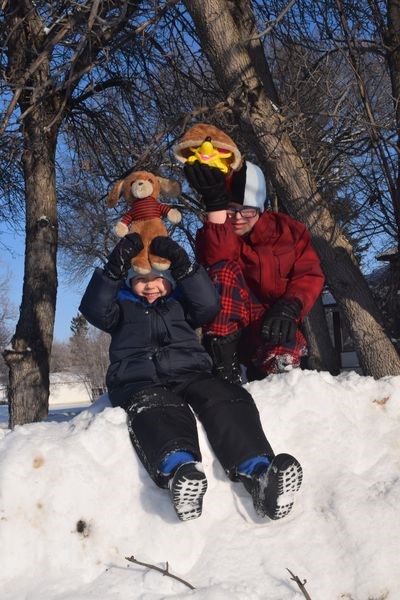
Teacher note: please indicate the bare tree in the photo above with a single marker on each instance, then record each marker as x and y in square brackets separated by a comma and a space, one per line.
[234, 70]
[88, 348]
[321, 354]
[344, 107]
[51, 50]
[85, 353]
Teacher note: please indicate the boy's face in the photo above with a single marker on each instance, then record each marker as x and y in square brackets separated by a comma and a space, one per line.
[242, 225]
[150, 287]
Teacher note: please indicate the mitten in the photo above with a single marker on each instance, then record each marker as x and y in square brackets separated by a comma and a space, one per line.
[120, 258]
[166, 247]
[210, 183]
[280, 324]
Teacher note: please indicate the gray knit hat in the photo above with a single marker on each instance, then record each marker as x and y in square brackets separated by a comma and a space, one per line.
[248, 186]
[132, 274]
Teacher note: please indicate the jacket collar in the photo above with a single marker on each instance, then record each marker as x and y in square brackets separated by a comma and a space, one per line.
[263, 230]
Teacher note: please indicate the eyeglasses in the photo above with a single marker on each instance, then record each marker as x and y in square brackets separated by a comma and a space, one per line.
[247, 212]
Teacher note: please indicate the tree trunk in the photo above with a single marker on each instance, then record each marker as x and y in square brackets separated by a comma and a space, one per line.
[71, 46]
[392, 44]
[29, 353]
[321, 354]
[233, 68]
[244, 18]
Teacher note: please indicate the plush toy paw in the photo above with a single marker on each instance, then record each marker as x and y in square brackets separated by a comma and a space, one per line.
[174, 216]
[159, 263]
[141, 265]
[121, 229]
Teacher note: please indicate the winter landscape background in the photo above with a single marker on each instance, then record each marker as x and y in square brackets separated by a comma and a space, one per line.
[75, 502]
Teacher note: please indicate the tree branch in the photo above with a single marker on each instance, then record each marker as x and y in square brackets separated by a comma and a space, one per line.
[165, 571]
[28, 73]
[275, 22]
[301, 584]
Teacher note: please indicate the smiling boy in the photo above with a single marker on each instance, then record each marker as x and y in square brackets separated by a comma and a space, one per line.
[161, 375]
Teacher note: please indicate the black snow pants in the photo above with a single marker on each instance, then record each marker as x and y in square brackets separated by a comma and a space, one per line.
[161, 420]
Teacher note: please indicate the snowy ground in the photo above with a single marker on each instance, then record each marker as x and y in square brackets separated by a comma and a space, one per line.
[74, 502]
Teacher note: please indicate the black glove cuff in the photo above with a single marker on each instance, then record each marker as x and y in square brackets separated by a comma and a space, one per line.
[111, 274]
[292, 308]
[181, 273]
[286, 307]
[220, 203]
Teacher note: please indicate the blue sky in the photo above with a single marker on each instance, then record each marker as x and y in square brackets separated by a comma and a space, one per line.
[12, 266]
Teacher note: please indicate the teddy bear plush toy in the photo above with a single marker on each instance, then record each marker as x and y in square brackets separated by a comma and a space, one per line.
[141, 190]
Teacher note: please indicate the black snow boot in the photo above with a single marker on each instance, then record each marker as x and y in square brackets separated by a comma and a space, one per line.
[224, 353]
[187, 487]
[272, 488]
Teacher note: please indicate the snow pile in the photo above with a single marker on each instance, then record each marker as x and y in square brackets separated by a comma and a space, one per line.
[75, 501]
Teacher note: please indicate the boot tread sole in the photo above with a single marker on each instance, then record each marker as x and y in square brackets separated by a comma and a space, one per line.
[187, 491]
[274, 495]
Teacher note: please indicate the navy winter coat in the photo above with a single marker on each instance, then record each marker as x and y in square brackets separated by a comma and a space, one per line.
[151, 343]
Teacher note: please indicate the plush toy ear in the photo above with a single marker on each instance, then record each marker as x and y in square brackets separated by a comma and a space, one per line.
[115, 193]
[169, 187]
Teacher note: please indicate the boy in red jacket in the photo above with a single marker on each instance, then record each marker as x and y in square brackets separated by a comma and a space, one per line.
[263, 265]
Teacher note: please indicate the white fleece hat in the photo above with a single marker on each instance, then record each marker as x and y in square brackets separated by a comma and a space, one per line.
[248, 186]
[132, 274]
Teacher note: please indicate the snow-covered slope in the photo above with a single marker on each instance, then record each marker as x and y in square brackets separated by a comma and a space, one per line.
[75, 501]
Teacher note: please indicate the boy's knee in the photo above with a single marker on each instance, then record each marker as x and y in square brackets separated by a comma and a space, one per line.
[150, 399]
[215, 393]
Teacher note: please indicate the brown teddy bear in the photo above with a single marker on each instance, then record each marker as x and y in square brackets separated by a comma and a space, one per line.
[141, 190]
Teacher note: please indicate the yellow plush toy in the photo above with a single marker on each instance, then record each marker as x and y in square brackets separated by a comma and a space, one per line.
[141, 190]
[209, 145]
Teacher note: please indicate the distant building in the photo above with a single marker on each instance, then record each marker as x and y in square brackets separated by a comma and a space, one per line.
[66, 389]
[341, 339]
[69, 389]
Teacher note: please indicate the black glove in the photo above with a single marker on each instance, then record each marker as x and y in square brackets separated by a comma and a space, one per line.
[166, 247]
[119, 260]
[210, 183]
[280, 324]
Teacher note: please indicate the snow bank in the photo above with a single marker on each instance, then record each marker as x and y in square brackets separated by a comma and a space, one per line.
[75, 501]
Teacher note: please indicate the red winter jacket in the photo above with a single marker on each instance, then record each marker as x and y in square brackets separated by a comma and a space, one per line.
[276, 257]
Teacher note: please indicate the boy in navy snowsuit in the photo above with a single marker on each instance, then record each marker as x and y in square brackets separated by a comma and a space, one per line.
[160, 374]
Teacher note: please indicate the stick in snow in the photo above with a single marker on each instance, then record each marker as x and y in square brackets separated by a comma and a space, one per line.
[300, 584]
[163, 571]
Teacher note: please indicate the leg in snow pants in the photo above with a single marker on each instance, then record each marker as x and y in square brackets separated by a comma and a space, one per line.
[161, 420]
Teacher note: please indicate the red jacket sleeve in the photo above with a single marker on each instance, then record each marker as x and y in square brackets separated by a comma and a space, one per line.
[216, 242]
